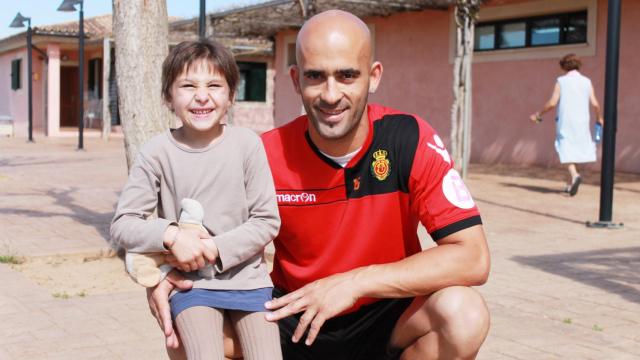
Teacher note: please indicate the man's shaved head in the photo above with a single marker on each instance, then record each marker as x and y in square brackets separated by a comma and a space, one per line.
[332, 26]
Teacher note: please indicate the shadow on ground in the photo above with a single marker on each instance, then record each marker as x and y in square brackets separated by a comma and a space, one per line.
[538, 189]
[34, 161]
[612, 270]
[529, 211]
[63, 198]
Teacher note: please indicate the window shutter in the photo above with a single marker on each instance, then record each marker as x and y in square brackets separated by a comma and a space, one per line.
[15, 74]
[258, 84]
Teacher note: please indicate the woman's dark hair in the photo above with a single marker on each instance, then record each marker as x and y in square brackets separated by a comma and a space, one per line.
[183, 55]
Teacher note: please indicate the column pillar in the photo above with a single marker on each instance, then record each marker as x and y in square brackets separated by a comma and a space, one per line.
[53, 90]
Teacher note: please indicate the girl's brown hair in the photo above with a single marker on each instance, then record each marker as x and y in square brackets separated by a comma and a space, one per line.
[183, 55]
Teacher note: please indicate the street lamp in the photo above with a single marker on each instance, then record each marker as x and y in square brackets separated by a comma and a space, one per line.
[611, 118]
[18, 22]
[202, 23]
[70, 5]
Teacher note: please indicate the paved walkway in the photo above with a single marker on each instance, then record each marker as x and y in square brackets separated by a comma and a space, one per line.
[558, 290]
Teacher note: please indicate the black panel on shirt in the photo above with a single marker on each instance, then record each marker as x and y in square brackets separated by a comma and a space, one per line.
[398, 135]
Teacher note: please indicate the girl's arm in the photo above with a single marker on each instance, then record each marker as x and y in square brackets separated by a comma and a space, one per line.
[263, 224]
[133, 227]
[136, 230]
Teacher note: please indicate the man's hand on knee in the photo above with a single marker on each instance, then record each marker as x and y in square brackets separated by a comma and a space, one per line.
[158, 298]
[320, 301]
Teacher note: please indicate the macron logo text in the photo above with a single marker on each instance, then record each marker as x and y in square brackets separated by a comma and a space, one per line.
[303, 198]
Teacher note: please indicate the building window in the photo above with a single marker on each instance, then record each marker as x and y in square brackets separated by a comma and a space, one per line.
[485, 37]
[557, 29]
[512, 35]
[253, 82]
[15, 74]
[545, 32]
[95, 78]
[291, 54]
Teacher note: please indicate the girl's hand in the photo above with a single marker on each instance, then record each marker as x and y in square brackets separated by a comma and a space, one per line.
[189, 250]
[209, 244]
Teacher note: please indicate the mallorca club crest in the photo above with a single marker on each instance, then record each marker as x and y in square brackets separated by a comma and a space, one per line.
[380, 167]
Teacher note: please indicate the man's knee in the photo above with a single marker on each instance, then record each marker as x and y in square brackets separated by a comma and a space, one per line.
[451, 323]
[462, 315]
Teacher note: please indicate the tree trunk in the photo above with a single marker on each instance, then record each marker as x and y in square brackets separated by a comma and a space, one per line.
[140, 29]
[466, 16]
[458, 99]
[467, 108]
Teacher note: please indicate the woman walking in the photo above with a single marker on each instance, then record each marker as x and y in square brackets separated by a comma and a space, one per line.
[573, 93]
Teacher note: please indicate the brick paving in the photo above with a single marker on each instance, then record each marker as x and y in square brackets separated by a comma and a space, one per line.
[557, 290]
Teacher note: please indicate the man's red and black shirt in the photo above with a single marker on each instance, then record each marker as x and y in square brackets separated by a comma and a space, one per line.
[335, 219]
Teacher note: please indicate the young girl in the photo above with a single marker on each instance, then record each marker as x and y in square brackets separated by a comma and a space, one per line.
[224, 169]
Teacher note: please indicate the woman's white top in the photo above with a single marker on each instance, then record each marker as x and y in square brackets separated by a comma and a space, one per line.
[574, 143]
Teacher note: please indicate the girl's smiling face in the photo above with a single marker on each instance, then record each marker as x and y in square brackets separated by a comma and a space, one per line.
[201, 97]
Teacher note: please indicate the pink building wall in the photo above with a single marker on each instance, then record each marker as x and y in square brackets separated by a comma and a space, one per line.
[414, 49]
[254, 115]
[15, 104]
[417, 76]
[287, 102]
[6, 107]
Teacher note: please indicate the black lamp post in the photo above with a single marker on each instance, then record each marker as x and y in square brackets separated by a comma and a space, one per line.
[202, 24]
[610, 118]
[70, 5]
[18, 22]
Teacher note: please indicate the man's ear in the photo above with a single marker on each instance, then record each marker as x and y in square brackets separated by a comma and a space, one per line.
[375, 75]
[294, 72]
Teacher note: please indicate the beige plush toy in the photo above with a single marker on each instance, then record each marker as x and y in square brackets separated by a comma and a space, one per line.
[150, 268]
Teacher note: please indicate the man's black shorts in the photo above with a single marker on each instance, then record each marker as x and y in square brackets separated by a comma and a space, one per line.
[361, 335]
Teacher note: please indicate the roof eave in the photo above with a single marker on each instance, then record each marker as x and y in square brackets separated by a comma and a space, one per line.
[267, 19]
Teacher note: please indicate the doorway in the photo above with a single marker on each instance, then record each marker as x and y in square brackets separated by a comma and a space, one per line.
[69, 96]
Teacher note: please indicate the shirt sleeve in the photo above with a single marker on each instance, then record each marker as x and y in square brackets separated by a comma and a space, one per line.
[438, 195]
[245, 241]
[133, 226]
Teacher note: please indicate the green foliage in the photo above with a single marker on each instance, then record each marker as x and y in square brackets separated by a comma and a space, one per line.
[62, 295]
[10, 259]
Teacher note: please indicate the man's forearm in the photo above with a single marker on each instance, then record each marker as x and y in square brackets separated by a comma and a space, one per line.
[465, 264]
